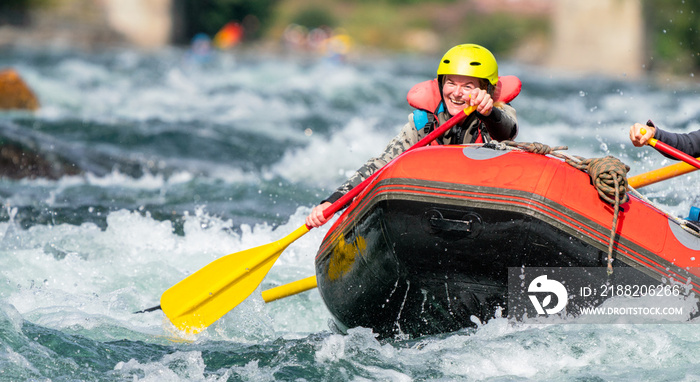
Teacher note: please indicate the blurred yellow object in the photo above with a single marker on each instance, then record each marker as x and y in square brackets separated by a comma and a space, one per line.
[338, 44]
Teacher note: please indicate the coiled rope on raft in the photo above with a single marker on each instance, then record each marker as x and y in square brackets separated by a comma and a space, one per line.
[608, 175]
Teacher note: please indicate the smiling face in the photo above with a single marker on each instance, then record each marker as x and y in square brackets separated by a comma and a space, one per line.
[456, 90]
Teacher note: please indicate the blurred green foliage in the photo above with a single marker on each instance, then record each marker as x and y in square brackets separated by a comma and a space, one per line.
[208, 16]
[402, 2]
[314, 17]
[502, 32]
[15, 12]
[672, 29]
[7, 4]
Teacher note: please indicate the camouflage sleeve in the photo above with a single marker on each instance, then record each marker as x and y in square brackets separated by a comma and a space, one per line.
[402, 142]
[502, 123]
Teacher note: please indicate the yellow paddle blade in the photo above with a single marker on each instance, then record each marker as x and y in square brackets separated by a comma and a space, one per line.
[660, 174]
[206, 295]
[290, 289]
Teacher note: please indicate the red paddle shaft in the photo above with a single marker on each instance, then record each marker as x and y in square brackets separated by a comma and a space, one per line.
[674, 152]
[670, 150]
[345, 199]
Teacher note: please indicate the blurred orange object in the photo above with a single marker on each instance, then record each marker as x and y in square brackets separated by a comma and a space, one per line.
[14, 92]
[229, 36]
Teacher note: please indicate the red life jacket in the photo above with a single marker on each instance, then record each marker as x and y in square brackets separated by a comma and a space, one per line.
[426, 96]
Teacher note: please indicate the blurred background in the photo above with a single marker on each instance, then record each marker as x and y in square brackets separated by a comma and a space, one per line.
[613, 37]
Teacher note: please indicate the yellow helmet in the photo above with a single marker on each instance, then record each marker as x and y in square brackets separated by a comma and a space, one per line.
[470, 60]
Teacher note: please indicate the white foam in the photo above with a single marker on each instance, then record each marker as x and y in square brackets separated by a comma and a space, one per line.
[329, 162]
[178, 366]
[80, 277]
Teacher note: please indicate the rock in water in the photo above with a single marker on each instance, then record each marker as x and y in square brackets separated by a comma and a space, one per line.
[14, 92]
[17, 162]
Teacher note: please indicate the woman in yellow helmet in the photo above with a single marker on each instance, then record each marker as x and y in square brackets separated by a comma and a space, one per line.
[466, 76]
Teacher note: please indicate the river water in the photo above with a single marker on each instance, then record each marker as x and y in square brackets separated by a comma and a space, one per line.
[187, 160]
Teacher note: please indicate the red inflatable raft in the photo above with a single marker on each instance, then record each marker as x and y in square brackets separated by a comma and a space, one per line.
[429, 243]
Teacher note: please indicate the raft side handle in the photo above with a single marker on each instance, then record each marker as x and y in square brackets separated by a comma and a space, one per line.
[470, 224]
[451, 224]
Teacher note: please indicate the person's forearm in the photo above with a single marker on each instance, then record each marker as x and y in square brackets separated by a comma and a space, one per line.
[361, 174]
[687, 143]
[500, 124]
[404, 140]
